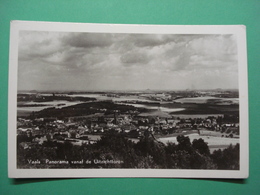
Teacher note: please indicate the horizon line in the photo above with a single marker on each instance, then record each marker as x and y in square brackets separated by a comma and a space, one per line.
[128, 90]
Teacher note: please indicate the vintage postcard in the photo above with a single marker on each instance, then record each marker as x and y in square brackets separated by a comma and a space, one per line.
[112, 100]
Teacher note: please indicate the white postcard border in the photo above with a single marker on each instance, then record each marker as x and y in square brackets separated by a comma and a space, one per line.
[238, 30]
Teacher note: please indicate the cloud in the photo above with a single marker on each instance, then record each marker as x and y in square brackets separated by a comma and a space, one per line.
[153, 40]
[33, 44]
[147, 40]
[134, 57]
[118, 61]
[88, 40]
[74, 58]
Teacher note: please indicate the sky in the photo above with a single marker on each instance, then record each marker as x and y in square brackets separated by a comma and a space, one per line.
[108, 61]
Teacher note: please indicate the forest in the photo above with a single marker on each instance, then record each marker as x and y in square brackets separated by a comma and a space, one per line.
[146, 153]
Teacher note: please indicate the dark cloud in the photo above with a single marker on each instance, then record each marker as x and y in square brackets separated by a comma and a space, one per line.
[88, 40]
[147, 40]
[152, 40]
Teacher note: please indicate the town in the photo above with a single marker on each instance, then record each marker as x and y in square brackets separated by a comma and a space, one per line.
[128, 120]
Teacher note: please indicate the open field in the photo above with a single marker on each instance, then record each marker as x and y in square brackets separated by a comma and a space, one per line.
[213, 142]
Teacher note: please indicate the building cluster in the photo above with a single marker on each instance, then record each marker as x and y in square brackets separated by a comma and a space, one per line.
[88, 129]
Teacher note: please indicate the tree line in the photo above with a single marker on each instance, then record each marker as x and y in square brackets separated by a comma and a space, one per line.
[146, 153]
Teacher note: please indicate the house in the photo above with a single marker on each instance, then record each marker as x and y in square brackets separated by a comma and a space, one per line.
[128, 127]
[23, 131]
[40, 140]
[25, 145]
[36, 131]
[98, 129]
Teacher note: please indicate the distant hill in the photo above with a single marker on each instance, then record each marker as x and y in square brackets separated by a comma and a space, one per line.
[156, 113]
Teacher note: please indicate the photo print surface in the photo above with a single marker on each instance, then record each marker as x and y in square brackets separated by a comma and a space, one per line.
[129, 101]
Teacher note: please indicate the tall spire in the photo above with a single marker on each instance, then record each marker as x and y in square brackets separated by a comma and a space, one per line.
[115, 119]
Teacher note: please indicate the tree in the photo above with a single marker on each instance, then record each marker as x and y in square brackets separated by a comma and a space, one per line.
[201, 146]
[184, 143]
[228, 159]
[147, 146]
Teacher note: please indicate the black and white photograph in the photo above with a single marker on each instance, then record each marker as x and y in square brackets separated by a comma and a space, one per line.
[100, 100]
